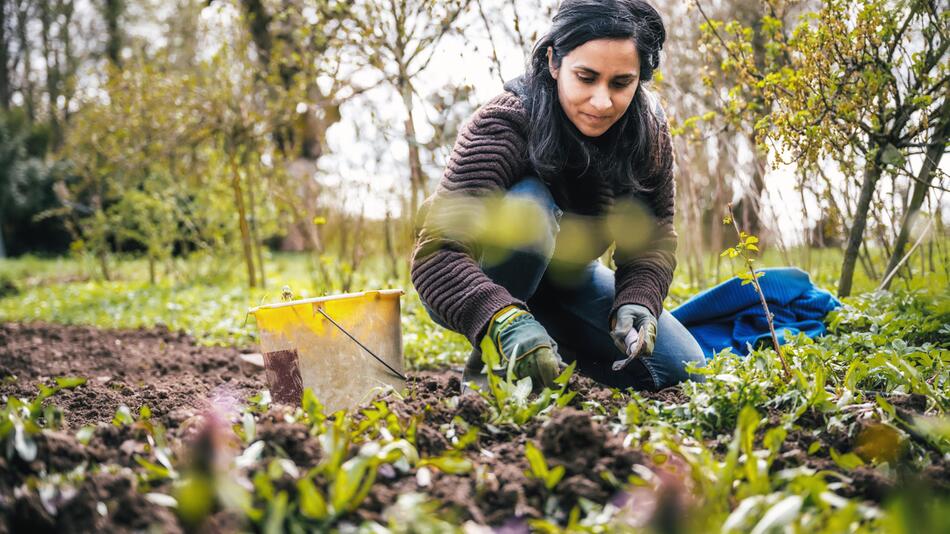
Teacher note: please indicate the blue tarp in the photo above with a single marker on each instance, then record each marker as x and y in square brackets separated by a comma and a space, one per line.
[731, 315]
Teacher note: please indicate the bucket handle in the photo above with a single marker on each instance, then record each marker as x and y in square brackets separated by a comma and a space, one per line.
[364, 347]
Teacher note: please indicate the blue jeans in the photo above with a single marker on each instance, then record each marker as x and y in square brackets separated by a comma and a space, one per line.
[576, 314]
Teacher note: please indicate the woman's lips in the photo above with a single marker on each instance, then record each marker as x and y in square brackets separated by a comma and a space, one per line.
[594, 118]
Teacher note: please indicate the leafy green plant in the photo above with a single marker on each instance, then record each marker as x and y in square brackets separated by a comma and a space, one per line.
[154, 433]
[353, 449]
[510, 399]
[22, 420]
[538, 467]
[746, 248]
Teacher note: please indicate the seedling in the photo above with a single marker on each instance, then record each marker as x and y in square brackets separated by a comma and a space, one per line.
[746, 249]
[510, 398]
[539, 467]
[21, 420]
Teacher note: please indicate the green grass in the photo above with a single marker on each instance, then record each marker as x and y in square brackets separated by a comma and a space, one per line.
[209, 300]
[208, 296]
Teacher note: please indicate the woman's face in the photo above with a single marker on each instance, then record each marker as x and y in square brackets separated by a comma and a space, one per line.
[596, 83]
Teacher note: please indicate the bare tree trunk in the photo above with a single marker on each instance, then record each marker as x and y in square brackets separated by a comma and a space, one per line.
[50, 58]
[26, 52]
[255, 232]
[867, 262]
[242, 223]
[416, 178]
[356, 252]
[716, 238]
[806, 235]
[930, 257]
[931, 161]
[943, 249]
[70, 62]
[872, 173]
[112, 14]
[5, 92]
[389, 235]
[104, 266]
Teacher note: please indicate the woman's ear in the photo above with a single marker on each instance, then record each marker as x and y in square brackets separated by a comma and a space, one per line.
[551, 68]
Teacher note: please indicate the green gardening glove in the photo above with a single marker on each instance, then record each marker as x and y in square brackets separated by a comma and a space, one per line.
[514, 333]
[634, 333]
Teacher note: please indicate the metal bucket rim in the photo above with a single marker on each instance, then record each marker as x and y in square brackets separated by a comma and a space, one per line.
[386, 293]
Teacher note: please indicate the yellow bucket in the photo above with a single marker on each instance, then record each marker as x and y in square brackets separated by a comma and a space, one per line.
[344, 347]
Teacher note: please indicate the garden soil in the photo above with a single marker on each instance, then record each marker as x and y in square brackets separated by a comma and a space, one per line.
[181, 381]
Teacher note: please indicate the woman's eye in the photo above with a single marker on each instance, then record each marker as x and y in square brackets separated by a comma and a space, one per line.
[585, 80]
[622, 85]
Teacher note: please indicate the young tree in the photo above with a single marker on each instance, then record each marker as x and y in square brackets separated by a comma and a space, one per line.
[307, 66]
[922, 183]
[399, 38]
[861, 82]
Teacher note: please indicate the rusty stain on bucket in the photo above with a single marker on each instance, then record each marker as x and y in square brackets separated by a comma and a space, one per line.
[282, 369]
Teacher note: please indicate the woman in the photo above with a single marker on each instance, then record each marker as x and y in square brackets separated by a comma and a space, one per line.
[582, 142]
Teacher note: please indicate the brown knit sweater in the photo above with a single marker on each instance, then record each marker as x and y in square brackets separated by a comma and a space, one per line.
[489, 156]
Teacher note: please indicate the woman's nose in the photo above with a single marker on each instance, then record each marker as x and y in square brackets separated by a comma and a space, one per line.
[600, 100]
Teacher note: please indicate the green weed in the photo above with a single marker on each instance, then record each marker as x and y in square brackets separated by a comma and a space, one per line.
[22, 420]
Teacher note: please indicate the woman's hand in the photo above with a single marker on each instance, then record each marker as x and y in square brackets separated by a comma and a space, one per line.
[515, 333]
[634, 330]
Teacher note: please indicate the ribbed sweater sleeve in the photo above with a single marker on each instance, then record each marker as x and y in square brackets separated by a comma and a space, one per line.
[645, 278]
[488, 157]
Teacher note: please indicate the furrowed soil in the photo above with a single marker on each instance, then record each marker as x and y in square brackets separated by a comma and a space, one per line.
[186, 385]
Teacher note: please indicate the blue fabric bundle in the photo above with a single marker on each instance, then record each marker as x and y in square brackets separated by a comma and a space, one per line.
[731, 315]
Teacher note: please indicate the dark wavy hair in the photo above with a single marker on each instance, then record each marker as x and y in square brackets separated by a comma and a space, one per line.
[626, 155]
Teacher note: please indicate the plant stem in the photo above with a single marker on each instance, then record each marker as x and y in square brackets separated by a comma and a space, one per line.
[758, 289]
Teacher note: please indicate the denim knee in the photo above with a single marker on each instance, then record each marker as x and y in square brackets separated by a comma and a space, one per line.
[675, 349]
[533, 189]
[519, 268]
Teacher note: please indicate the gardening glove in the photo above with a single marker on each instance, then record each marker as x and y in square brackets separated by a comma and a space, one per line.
[513, 333]
[634, 333]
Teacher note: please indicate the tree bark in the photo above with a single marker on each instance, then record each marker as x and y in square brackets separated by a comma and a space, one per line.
[389, 235]
[49, 13]
[5, 92]
[872, 173]
[255, 231]
[104, 267]
[242, 222]
[416, 178]
[26, 52]
[932, 158]
[112, 15]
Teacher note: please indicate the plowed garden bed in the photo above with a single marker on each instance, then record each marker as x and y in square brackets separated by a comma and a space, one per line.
[95, 470]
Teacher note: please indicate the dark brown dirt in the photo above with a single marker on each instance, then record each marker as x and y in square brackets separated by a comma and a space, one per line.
[873, 443]
[499, 490]
[125, 509]
[182, 383]
[166, 371]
